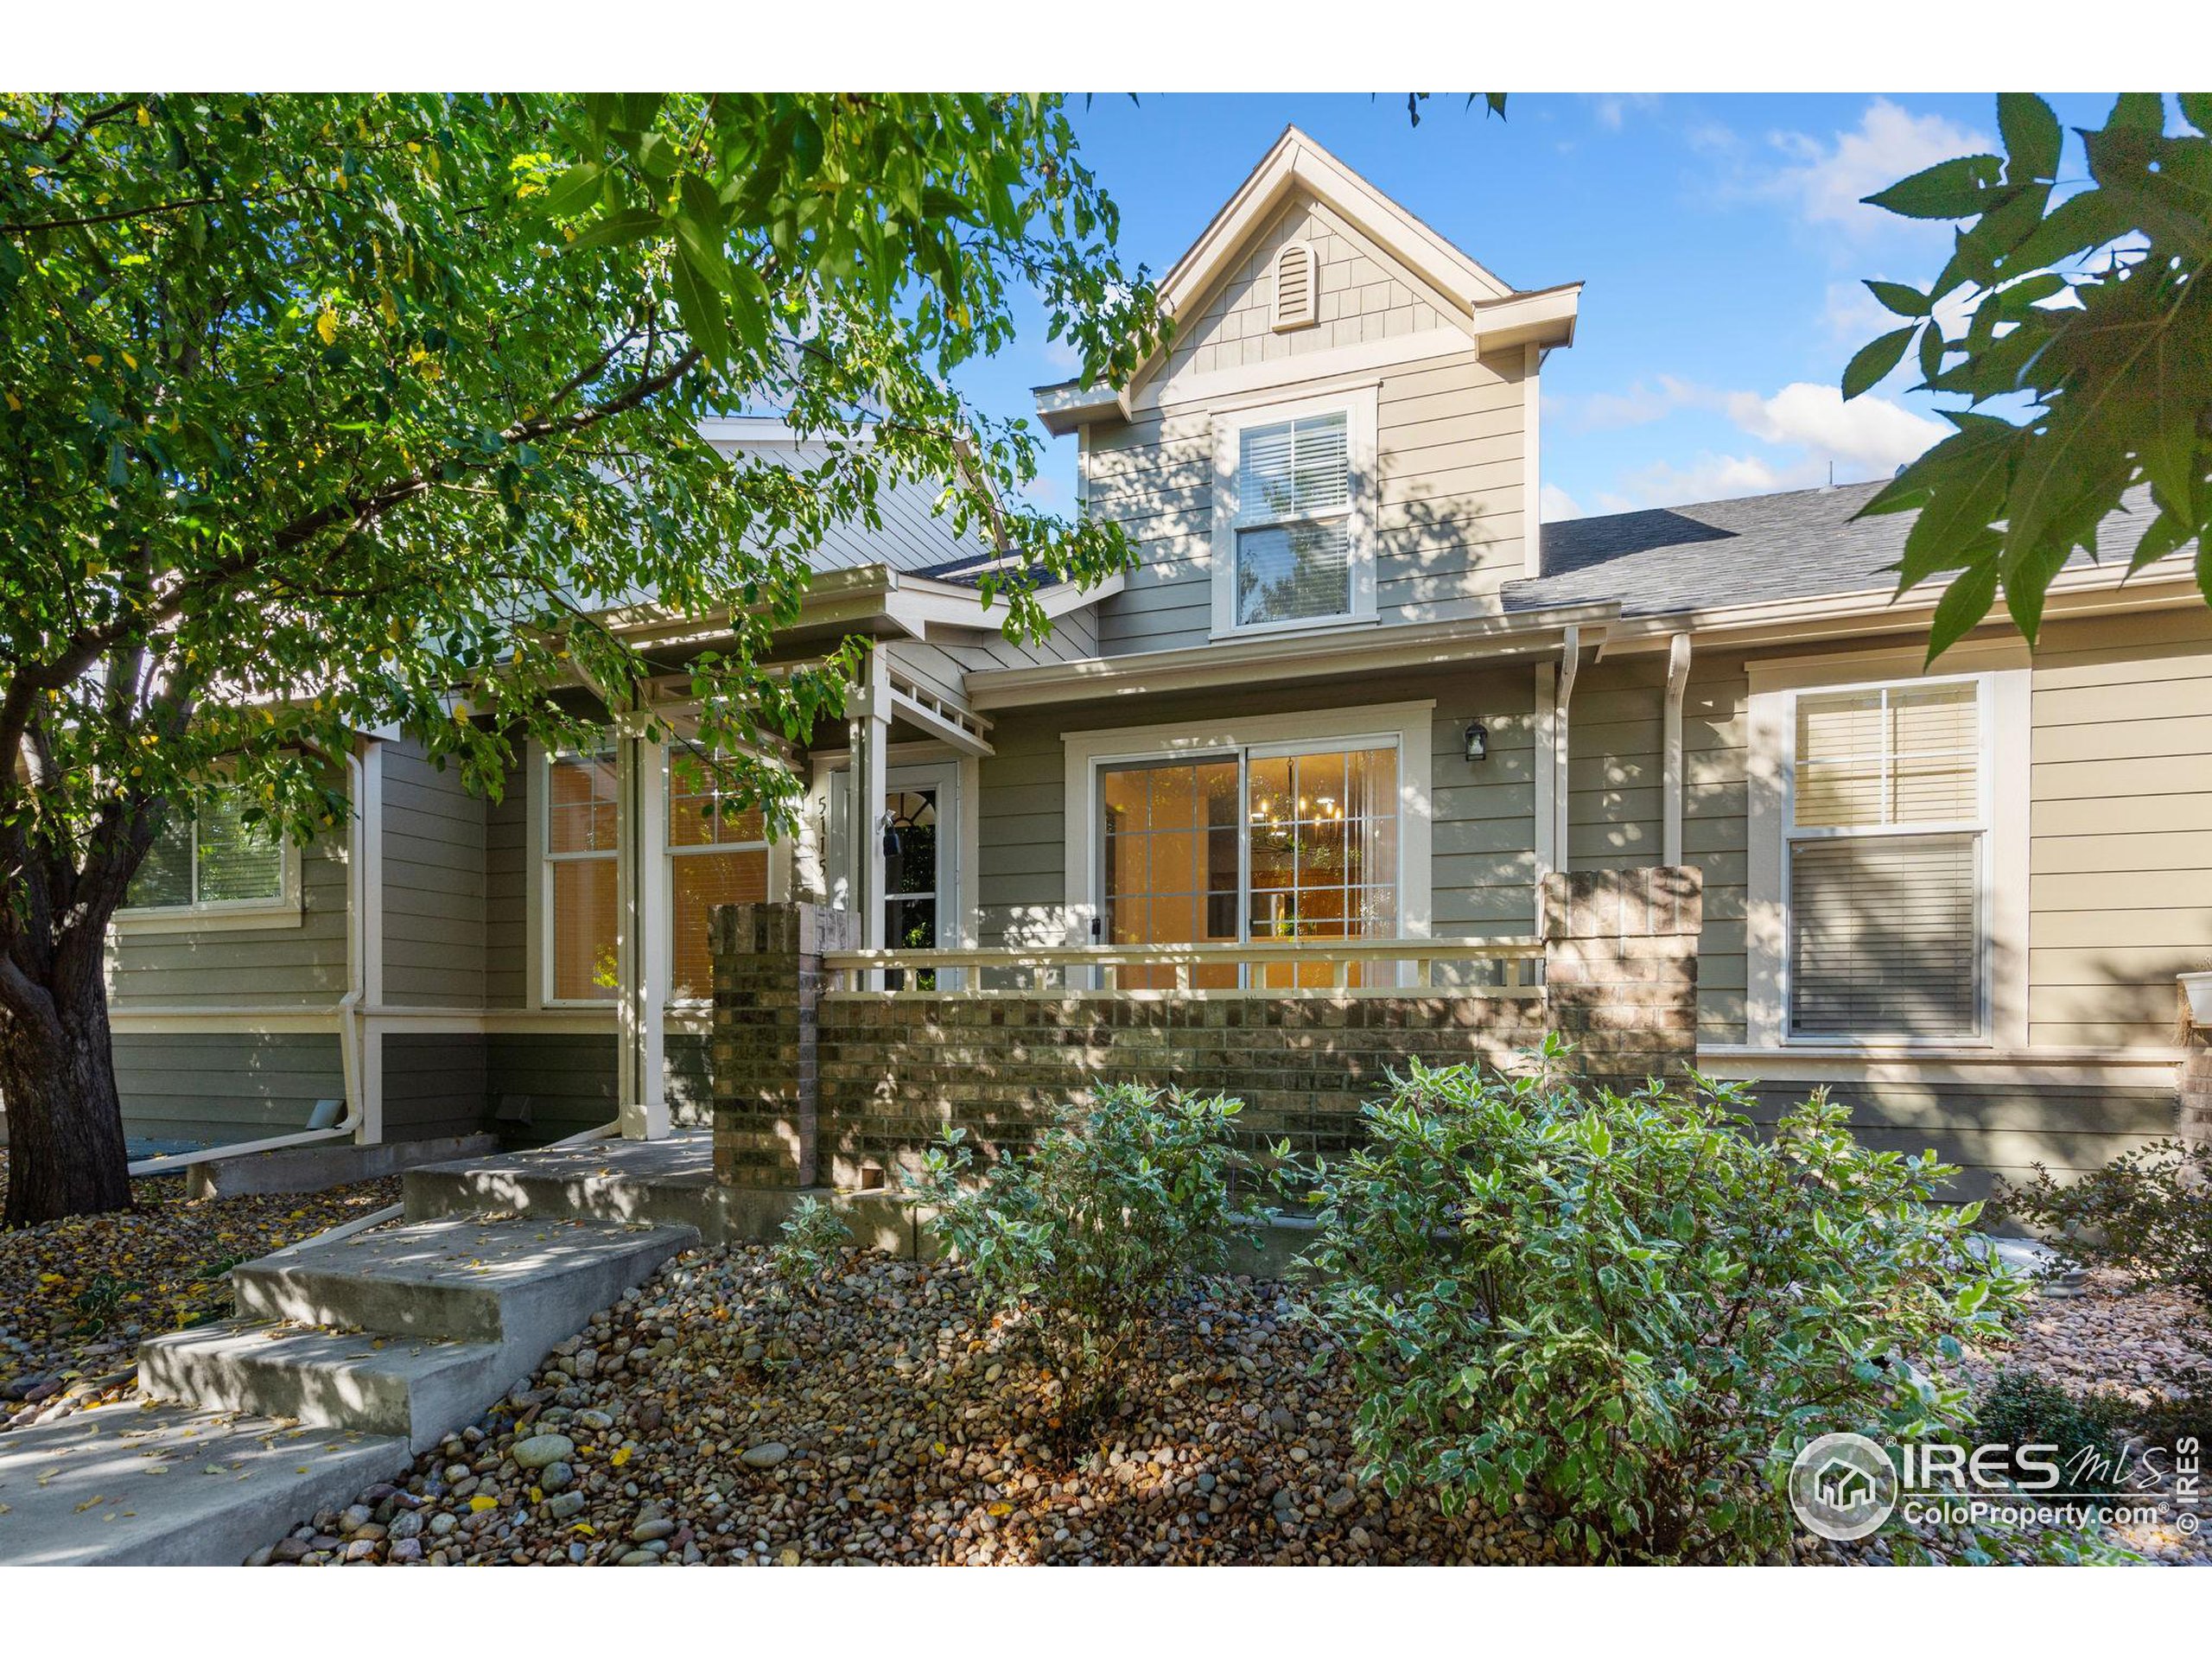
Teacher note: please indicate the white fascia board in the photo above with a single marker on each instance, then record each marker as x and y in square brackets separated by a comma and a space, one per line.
[1063, 408]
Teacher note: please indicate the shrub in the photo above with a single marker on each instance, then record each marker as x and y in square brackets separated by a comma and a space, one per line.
[1120, 1203]
[811, 1236]
[2022, 1409]
[1627, 1312]
[2148, 1213]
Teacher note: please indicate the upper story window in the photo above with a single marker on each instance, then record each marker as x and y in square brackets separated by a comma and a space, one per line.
[1292, 541]
[1885, 843]
[207, 858]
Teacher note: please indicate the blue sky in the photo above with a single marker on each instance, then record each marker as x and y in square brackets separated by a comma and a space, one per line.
[1719, 237]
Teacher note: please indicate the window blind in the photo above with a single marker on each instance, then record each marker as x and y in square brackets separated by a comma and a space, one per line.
[1293, 541]
[1884, 936]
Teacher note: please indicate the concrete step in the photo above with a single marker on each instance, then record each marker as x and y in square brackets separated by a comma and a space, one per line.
[417, 1390]
[512, 1281]
[171, 1487]
[669, 1182]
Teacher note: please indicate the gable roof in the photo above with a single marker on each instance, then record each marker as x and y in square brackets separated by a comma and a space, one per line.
[1753, 550]
[1491, 311]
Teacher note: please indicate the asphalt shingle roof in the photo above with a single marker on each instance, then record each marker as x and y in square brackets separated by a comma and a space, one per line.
[1797, 544]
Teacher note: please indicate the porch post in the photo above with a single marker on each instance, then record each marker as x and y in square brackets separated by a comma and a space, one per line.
[641, 1098]
[870, 737]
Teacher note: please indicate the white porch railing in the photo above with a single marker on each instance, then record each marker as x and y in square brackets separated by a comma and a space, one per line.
[1271, 967]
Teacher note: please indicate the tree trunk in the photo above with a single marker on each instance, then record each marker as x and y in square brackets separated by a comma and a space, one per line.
[65, 1119]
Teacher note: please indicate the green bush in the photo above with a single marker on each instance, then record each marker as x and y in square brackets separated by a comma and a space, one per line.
[2148, 1213]
[1119, 1204]
[2022, 1409]
[812, 1236]
[1627, 1312]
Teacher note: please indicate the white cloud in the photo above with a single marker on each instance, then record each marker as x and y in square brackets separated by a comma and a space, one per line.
[1553, 504]
[1712, 477]
[1062, 355]
[1612, 108]
[1640, 406]
[1800, 437]
[1826, 180]
[1868, 434]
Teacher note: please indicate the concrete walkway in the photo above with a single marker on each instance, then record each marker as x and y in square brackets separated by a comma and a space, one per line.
[345, 1360]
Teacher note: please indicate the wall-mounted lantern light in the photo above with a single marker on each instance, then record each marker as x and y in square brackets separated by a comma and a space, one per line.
[1478, 739]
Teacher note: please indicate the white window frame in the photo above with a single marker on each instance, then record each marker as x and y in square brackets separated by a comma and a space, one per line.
[1795, 834]
[670, 852]
[1405, 727]
[284, 910]
[2000, 672]
[1357, 405]
[541, 835]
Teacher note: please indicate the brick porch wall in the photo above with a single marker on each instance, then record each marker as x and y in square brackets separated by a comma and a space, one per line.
[812, 1086]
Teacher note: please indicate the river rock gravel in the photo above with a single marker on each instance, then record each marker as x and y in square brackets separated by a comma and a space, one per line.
[881, 1420]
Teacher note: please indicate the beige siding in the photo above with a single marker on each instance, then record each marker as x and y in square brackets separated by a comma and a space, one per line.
[274, 967]
[2120, 856]
[434, 884]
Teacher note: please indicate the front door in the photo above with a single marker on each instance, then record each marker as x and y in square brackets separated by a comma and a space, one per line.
[920, 883]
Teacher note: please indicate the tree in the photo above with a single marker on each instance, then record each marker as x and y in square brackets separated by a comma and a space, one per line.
[2090, 305]
[319, 413]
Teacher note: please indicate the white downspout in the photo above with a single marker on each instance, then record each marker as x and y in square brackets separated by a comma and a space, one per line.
[1673, 770]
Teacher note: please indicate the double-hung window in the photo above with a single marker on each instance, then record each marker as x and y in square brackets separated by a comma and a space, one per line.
[207, 858]
[717, 855]
[1885, 845]
[1292, 538]
[583, 899]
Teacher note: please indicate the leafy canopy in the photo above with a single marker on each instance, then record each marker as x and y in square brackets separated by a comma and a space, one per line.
[322, 412]
[2091, 305]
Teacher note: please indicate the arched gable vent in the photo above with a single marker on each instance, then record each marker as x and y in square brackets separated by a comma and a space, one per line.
[1298, 283]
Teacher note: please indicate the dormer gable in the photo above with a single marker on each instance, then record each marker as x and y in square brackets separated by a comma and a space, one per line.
[1360, 272]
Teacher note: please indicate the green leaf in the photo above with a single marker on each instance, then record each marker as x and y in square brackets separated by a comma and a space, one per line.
[1952, 189]
[2031, 135]
[1874, 360]
[575, 190]
[1900, 297]
[631, 225]
[2196, 108]
[1965, 603]
[2143, 112]
[700, 304]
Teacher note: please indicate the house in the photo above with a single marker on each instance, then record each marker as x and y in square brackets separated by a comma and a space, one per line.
[1352, 691]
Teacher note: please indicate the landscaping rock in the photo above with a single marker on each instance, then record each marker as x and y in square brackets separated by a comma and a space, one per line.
[540, 1451]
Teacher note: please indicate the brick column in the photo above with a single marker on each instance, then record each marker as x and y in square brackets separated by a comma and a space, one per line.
[767, 980]
[1620, 968]
[2193, 1116]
